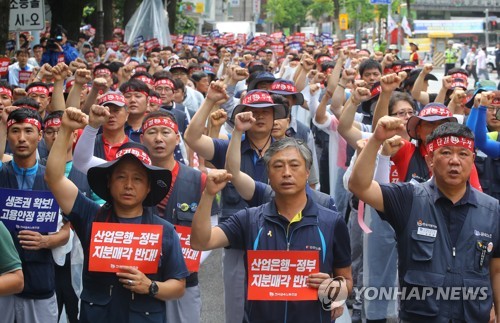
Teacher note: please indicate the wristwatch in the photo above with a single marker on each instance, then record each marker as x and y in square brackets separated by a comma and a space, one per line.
[153, 289]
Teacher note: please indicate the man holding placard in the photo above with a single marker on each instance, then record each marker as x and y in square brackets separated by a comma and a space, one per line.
[29, 215]
[133, 260]
[293, 244]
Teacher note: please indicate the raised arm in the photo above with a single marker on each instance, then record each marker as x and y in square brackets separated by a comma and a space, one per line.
[488, 146]
[417, 91]
[203, 236]
[244, 184]
[83, 156]
[388, 83]
[64, 190]
[338, 98]
[194, 135]
[306, 65]
[457, 101]
[447, 82]
[98, 85]
[82, 77]
[347, 128]
[60, 72]
[361, 182]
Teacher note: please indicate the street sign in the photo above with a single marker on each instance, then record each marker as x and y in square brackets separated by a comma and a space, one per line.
[26, 16]
[380, 1]
[344, 21]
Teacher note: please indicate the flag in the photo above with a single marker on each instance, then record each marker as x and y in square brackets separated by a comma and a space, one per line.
[391, 24]
[249, 38]
[406, 26]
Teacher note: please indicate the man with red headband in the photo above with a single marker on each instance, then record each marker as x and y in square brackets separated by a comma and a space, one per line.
[448, 232]
[37, 302]
[5, 95]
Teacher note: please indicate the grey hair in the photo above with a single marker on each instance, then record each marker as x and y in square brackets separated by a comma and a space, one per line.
[289, 142]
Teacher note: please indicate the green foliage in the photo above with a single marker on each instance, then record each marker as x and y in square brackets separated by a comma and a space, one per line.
[184, 24]
[319, 8]
[365, 15]
[286, 13]
[88, 11]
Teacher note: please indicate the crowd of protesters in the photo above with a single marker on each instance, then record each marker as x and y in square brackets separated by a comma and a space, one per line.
[265, 143]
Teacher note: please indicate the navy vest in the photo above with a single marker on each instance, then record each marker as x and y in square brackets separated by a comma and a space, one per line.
[417, 168]
[38, 266]
[488, 170]
[99, 147]
[428, 260]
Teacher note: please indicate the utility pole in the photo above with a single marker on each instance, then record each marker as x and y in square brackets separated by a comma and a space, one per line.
[486, 25]
[100, 22]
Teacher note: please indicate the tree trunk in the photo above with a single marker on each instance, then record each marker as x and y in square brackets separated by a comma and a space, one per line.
[336, 17]
[4, 24]
[408, 14]
[107, 7]
[129, 7]
[172, 15]
[67, 13]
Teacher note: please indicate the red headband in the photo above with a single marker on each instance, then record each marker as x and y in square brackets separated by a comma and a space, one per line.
[32, 121]
[102, 71]
[453, 141]
[460, 76]
[140, 154]
[282, 86]
[496, 101]
[53, 122]
[4, 90]
[154, 122]
[154, 100]
[25, 106]
[38, 90]
[166, 82]
[145, 79]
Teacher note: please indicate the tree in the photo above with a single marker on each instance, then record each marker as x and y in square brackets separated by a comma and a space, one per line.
[4, 24]
[319, 8]
[184, 24]
[67, 13]
[286, 13]
[107, 7]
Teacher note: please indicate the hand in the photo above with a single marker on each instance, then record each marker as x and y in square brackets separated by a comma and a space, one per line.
[388, 59]
[359, 95]
[31, 240]
[361, 83]
[18, 93]
[77, 64]
[134, 280]
[243, 121]
[74, 119]
[154, 61]
[402, 75]
[486, 98]
[307, 62]
[315, 280]
[458, 97]
[239, 74]
[218, 117]
[82, 76]
[100, 85]
[319, 78]
[217, 91]
[392, 145]
[390, 82]
[5, 113]
[313, 88]
[337, 312]
[387, 127]
[348, 75]
[45, 71]
[99, 115]
[343, 54]
[447, 82]
[61, 72]
[312, 73]
[355, 63]
[216, 181]
[427, 69]
[125, 72]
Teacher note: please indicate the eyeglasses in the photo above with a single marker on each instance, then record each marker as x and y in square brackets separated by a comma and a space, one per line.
[402, 114]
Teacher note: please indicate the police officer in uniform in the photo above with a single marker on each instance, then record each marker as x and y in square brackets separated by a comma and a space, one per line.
[447, 231]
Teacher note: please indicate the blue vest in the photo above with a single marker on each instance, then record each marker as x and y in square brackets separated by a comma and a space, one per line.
[428, 260]
[417, 168]
[99, 147]
[187, 189]
[230, 198]
[488, 170]
[100, 287]
[38, 266]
